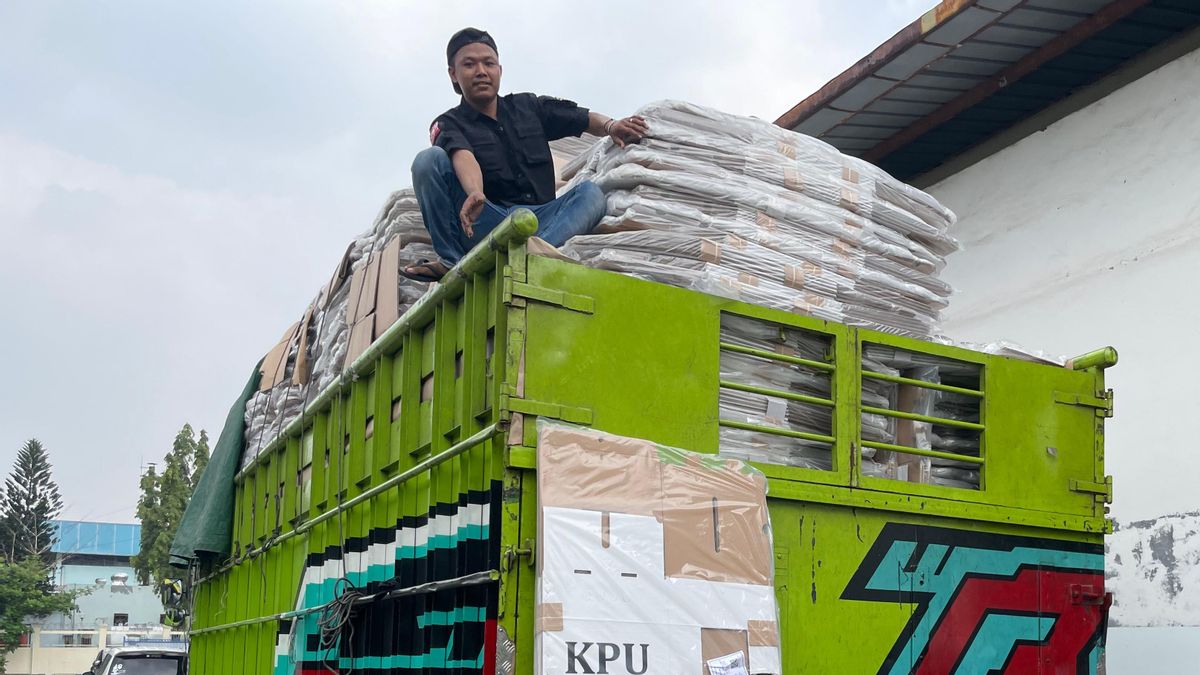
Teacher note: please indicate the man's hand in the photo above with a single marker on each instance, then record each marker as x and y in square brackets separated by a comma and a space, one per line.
[628, 130]
[471, 208]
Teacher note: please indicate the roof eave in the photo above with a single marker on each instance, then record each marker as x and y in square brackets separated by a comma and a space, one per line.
[865, 67]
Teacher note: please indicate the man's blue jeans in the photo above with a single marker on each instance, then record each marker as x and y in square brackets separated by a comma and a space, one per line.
[441, 197]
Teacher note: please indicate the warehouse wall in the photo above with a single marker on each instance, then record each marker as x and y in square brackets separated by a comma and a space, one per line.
[1088, 234]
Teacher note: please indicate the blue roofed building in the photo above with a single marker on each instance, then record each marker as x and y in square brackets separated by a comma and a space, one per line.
[97, 557]
[81, 538]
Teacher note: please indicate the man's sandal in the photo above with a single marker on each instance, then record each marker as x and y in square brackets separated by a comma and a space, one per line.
[428, 271]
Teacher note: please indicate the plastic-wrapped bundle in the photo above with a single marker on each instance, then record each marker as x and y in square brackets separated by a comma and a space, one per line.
[742, 208]
[650, 208]
[718, 132]
[764, 410]
[365, 294]
[948, 405]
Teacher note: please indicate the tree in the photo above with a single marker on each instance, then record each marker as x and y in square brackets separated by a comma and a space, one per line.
[202, 455]
[28, 507]
[24, 595]
[148, 512]
[164, 497]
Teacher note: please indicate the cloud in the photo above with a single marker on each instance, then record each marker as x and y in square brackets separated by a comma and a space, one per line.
[136, 305]
[177, 180]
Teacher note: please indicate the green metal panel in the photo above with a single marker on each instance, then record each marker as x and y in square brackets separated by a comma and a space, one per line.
[425, 456]
[409, 434]
[657, 379]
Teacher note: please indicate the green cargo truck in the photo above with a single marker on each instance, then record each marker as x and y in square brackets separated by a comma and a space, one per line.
[393, 527]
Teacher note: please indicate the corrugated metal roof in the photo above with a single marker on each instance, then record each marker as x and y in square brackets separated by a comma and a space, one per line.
[968, 69]
[81, 537]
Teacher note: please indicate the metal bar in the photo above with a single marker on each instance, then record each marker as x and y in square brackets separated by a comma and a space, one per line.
[923, 453]
[922, 383]
[776, 431]
[1102, 358]
[453, 451]
[239, 624]
[1081, 31]
[514, 229]
[764, 391]
[772, 356]
[888, 412]
[474, 579]
[450, 453]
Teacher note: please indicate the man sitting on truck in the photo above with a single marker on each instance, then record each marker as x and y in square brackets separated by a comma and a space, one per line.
[491, 154]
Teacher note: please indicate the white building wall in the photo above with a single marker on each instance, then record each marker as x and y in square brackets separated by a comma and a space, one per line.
[141, 604]
[1088, 234]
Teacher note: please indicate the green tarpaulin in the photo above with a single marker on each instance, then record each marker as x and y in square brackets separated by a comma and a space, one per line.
[206, 531]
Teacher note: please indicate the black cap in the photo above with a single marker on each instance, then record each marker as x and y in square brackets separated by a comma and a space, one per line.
[465, 37]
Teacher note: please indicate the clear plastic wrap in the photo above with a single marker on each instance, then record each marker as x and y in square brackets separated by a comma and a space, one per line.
[947, 405]
[651, 560]
[760, 409]
[741, 208]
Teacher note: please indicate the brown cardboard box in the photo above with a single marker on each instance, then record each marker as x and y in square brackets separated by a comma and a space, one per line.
[387, 297]
[274, 364]
[715, 522]
[715, 519]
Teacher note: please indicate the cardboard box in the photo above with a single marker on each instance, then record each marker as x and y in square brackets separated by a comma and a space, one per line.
[651, 559]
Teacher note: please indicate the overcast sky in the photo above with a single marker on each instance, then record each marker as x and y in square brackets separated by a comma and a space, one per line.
[176, 179]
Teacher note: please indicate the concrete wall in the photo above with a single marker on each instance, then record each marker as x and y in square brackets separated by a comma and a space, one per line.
[1088, 234]
[51, 661]
[45, 656]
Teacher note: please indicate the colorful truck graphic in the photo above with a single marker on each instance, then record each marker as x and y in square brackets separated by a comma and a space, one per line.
[986, 602]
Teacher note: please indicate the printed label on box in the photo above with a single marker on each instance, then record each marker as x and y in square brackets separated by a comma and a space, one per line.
[731, 664]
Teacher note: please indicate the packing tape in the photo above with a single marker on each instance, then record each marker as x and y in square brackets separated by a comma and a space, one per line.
[849, 200]
[765, 222]
[548, 617]
[763, 633]
[793, 276]
[792, 179]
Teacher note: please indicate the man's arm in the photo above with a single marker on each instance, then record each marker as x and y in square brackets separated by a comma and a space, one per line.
[466, 167]
[628, 130]
[561, 118]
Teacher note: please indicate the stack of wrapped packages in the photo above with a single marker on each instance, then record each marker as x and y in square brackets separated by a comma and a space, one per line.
[365, 295]
[741, 208]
